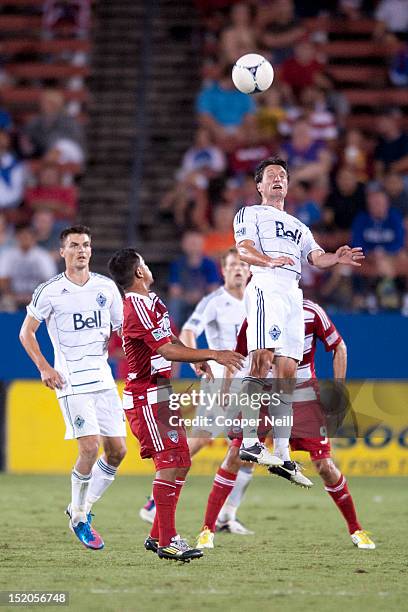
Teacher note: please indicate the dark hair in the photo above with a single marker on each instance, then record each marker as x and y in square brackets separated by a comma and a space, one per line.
[24, 227]
[226, 254]
[122, 266]
[74, 229]
[271, 161]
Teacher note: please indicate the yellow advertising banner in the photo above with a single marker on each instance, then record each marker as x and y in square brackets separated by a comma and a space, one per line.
[377, 446]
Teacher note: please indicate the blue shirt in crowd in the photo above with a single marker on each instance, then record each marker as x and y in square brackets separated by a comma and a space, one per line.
[371, 233]
[227, 106]
[181, 273]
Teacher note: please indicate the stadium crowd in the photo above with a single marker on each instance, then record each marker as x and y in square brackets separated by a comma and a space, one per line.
[348, 184]
[42, 153]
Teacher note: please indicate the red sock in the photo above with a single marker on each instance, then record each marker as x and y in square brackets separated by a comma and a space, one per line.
[154, 532]
[343, 500]
[164, 493]
[223, 484]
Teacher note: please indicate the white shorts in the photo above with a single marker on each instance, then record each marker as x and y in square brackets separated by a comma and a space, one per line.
[275, 317]
[93, 414]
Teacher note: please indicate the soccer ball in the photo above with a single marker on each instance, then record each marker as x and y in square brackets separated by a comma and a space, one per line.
[252, 73]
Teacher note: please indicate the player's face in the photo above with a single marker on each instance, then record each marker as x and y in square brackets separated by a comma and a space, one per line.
[77, 251]
[235, 272]
[274, 184]
[146, 273]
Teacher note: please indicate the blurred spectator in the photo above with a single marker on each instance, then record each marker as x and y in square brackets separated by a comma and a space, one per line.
[69, 16]
[53, 129]
[202, 161]
[50, 194]
[308, 159]
[249, 153]
[392, 16]
[337, 102]
[191, 277]
[380, 226]
[47, 232]
[221, 237]
[6, 234]
[398, 71]
[302, 205]
[224, 110]
[397, 192]
[12, 175]
[238, 37]
[354, 154]
[380, 232]
[6, 122]
[321, 119]
[22, 268]
[303, 70]
[279, 29]
[391, 152]
[271, 113]
[344, 202]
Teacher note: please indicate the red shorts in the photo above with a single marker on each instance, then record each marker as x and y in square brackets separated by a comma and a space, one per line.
[159, 439]
[308, 421]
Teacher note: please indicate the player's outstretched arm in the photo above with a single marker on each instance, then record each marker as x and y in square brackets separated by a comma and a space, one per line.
[50, 377]
[340, 361]
[344, 255]
[188, 338]
[178, 352]
[253, 257]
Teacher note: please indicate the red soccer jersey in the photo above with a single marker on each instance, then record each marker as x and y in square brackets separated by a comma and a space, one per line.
[317, 325]
[146, 327]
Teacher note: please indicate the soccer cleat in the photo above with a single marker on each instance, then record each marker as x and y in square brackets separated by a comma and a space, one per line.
[178, 550]
[290, 470]
[361, 539]
[87, 535]
[151, 544]
[148, 511]
[233, 526]
[258, 453]
[205, 539]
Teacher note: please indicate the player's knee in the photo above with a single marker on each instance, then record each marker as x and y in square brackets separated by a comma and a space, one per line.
[116, 455]
[326, 469]
[88, 450]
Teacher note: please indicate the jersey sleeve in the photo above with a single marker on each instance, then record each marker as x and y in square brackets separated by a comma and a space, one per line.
[116, 309]
[325, 329]
[241, 345]
[140, 324]
[309, 244]
[203, 314]
[245, 226]
[40, 306]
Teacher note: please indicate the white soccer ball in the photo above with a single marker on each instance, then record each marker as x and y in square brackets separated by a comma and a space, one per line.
[252, 73]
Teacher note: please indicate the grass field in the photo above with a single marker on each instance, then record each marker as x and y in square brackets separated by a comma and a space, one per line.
[301, 557]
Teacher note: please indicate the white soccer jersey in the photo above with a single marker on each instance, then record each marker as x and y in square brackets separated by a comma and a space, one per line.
[79, 320]
[219, 315]
[275, 233]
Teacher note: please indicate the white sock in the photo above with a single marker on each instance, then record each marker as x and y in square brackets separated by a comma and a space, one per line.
[250, 386]
[103, 475]
[229, 510]
[79, 489]
[282, 432]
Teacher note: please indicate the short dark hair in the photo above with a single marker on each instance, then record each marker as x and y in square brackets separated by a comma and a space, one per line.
[270, 161]
[74, 229]
[226, 254]
[24, 227]
[122, 266]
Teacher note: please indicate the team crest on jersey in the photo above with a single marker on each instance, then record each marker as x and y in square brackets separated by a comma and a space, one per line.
[101, 299]
[274, 332]
[241, 231]
[173, 435]
[79, 421]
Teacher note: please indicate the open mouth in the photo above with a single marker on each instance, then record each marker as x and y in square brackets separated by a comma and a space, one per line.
[277, 187]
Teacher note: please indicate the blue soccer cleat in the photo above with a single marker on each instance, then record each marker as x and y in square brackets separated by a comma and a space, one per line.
[86, 534]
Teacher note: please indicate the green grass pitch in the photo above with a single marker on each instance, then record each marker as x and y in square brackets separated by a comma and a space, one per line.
[301, 557]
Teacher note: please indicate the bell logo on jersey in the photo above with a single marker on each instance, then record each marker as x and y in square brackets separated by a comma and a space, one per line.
[89, 322]
[281, 233]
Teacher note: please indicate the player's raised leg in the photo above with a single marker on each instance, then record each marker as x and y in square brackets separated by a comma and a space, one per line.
[105, 468]
[227, 518]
